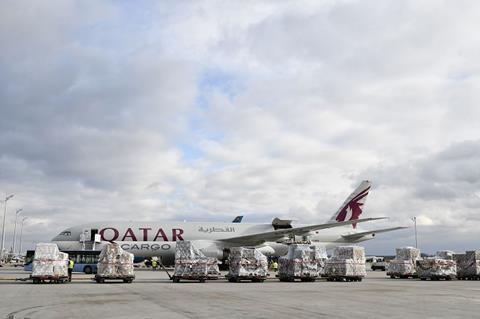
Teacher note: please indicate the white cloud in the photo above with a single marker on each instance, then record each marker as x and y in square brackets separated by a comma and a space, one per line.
[211, 109]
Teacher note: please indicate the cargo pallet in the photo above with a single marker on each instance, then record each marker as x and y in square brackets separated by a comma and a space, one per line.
[101, 279]
[344, 278]
[252, 278]
[435, 278]
[50, 279]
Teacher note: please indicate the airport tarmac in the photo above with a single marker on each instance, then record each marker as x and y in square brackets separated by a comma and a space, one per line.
[152, 295]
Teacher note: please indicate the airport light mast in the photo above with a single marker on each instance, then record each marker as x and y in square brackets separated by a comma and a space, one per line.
[15, 229]
[21, 233]
[414, 219]
[3, 225]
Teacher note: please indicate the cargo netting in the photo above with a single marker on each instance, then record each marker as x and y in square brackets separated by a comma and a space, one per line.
[468, 264]
[436, 267]
[190, 262]
[347, 261]
[114, 262]
[445, 254]
[404, 263]
[247, 262]
[48, 261]
[302, 260]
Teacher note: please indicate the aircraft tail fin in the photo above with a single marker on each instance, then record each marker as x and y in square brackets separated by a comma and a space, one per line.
[237, 219]
[352, 208]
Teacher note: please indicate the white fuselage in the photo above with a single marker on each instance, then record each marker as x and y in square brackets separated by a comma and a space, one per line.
[158, 239]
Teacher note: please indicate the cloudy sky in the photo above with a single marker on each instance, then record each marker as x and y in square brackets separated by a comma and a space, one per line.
[205, 110]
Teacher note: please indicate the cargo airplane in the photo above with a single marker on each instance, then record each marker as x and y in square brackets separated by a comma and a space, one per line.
[148, 239]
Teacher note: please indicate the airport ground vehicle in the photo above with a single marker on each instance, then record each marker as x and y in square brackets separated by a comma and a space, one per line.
[85, 260]
[377, 263]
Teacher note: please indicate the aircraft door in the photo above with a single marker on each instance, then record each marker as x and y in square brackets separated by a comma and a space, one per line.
[88, 234]
[93, 232]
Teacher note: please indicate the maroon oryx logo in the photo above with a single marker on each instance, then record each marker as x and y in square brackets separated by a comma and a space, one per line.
[353, 209]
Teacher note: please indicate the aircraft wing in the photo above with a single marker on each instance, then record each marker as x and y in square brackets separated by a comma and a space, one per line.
[274, 235]
[365, 233]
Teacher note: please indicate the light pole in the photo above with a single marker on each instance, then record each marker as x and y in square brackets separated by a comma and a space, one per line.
[15, 228]
[21, 233]
[3, 225]
[414, 219]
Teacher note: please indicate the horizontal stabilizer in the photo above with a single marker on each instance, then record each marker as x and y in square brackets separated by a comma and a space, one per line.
[371, 232]
[257, 239]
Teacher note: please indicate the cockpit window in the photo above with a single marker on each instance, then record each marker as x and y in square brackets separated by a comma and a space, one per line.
[66, 233]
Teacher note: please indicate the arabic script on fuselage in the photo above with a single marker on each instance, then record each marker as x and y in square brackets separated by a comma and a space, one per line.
[209, 230]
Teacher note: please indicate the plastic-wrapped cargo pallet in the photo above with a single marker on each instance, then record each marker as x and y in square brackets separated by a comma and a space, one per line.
[347, 263]
[247, 264]
[445, 254]
[302, 262]
[404, 264]
[468, 265]
[192, 264]
[114, 263]
[436, 268]
[49, 262]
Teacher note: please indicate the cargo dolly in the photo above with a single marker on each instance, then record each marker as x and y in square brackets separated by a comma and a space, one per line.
[191, 276]
[301, 278]
[468, 277]
[344, 278]
[402, 276]
[252, 278]
[101, 278]
[51, 279]
[438, 277]
[200, 278]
